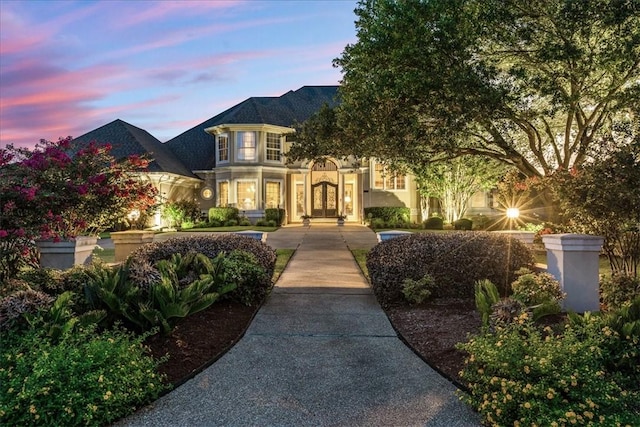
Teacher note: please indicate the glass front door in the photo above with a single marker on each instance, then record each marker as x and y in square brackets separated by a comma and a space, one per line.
[324, 202]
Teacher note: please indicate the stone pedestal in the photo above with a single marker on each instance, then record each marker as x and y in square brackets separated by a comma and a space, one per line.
[126, 242]
[523, 236]
[66, 253]
[573, 259]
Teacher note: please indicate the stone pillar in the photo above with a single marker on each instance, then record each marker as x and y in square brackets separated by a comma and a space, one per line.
[573, 259]
[126, 242]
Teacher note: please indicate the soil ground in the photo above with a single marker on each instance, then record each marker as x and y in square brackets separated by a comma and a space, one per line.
[431, 330]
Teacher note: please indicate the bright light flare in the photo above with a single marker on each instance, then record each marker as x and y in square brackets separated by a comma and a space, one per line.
[513, 213]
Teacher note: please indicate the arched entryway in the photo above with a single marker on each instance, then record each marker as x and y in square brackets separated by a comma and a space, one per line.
[324, 190]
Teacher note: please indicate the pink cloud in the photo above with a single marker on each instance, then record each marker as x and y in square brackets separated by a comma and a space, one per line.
[170, 9]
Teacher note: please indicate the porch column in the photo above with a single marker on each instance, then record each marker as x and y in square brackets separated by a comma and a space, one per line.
[573, 259]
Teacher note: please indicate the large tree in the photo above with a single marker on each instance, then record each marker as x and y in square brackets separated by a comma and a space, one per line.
[534, 84]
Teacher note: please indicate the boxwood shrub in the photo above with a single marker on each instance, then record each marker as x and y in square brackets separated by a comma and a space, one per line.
[223, 215]
[211, 246]
[434, 223]
[463, 224]
[455, 260]
[275, 214]
[389, 214]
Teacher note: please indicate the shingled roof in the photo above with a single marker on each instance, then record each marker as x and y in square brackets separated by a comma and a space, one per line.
[127, 139]
[196, 149]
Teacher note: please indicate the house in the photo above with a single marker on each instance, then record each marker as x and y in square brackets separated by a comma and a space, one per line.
[237, 158]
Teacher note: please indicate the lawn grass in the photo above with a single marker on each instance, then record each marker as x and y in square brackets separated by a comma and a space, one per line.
[230, 229]
[360, 255]
[105, 255]
[282, 259]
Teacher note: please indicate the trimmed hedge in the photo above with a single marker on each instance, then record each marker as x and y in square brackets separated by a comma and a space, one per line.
[389, 214]
[463, 224]
[455, 260]
[275, 214]
[224, 214]
[211, 246]
[434, 223]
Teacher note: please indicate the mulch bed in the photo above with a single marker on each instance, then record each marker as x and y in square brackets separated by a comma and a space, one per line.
[431, 330]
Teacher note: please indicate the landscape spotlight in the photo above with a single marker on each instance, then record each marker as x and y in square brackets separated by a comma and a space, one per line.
[513, 213]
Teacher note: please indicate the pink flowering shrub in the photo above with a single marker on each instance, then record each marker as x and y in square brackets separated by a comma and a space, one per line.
[60, 190]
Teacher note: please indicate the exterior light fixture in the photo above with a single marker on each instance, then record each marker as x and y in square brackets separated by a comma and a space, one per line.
[513, 213]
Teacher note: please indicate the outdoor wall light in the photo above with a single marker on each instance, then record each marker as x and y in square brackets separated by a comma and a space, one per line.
[513, 213]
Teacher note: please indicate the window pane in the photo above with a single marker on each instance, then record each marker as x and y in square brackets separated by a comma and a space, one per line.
[378, 179]
[246, 145]
[246, 195]
[273, 147]
[272, 198]
[223, 193]
[401, 182]
[223, 148]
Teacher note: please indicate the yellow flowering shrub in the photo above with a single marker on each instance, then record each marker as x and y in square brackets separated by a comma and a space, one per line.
[520, 374]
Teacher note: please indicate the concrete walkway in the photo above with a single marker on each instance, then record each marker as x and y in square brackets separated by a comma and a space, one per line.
[320, 352]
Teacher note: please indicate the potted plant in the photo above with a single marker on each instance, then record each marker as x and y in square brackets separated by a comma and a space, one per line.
[61, 192]
[306, 219]
[341, 219]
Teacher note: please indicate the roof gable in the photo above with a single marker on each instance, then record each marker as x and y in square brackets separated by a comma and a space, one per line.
[127, 140]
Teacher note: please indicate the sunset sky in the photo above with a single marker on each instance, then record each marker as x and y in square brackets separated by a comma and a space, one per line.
[68, 67]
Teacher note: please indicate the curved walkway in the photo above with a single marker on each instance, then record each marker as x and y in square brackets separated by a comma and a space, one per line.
[320, 352]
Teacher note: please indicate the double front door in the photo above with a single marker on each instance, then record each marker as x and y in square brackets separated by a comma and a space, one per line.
[324, 202]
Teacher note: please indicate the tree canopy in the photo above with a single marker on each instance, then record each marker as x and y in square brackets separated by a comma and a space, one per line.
[533, 84]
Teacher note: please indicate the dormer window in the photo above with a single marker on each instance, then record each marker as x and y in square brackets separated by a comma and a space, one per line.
[246, 146]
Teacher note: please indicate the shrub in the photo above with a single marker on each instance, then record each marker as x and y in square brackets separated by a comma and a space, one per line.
[176, 288]
[210, 246]
[455, 260]
[275, 215]
[434, 223]
[534, 289]
[14, 307]
[214, 223]
[418, 291]
[271, 223]
[377, 223]
[261, 223]
[86, 378]
[231, 223]
[244, 221]
[242, 269]
[522, 375]
[47, 280]
[223, 215]
[15, 255]
[618, 289]
[463, 224]
[179, 211]
[389, 214]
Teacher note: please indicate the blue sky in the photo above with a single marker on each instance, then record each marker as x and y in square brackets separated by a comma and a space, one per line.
[68, 67]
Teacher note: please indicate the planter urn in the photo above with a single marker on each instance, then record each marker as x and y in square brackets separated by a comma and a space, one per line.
[126, 242]
[65, 254]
